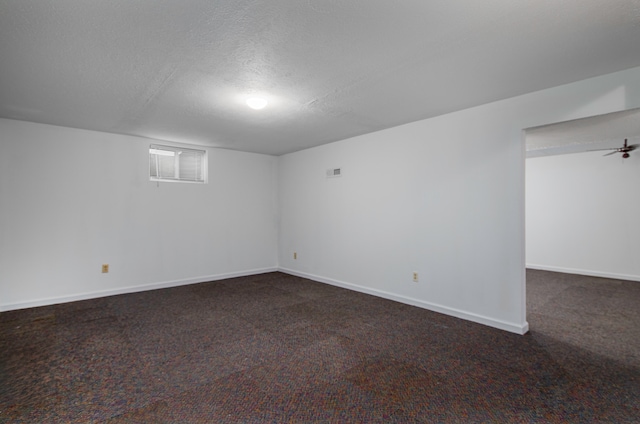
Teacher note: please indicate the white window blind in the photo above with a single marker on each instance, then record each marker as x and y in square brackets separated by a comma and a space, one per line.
[169, 163]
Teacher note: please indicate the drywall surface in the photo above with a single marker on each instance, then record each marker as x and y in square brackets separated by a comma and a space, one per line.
[583, 212]
[72, 200]
[442, 197]
[330, 69]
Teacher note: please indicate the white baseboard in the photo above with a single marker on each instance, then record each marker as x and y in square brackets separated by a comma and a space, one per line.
[469, 316]
[590, 273]
[131, 289]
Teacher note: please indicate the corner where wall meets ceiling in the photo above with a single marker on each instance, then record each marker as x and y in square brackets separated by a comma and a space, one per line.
[586, 134]
[182, 72]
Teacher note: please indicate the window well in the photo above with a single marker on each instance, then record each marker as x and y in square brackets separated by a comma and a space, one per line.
[178, 164]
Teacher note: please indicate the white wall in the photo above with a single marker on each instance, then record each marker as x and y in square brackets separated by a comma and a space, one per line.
[583, 214]
[443, 197]
[72, 200]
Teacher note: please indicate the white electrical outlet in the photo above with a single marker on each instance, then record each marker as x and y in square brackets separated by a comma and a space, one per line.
[415, 277]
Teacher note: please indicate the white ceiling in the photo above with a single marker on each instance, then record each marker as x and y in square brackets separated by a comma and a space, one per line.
[582, 135]
[180, 70]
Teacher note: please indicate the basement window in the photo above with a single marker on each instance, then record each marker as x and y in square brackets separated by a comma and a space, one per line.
[177, 164]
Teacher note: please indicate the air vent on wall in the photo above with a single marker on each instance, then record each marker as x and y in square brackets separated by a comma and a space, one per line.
[333, 172]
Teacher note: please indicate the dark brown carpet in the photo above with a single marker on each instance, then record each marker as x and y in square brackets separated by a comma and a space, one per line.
[275, 348]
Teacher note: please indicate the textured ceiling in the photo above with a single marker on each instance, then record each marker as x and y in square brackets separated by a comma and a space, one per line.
[581, 135]
[181, 70]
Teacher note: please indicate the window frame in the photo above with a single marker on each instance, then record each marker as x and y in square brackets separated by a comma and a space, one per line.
[202, 155]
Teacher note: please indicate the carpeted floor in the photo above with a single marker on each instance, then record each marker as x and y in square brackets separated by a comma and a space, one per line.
[275, 348]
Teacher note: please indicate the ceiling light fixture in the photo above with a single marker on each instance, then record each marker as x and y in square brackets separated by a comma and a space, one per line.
[256, 103]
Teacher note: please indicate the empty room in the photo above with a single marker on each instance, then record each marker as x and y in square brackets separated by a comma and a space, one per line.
[319, 211]
[581, 243]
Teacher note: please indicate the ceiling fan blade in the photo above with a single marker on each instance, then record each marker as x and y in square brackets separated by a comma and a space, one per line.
[609, 154]
[599, 150]
[633, 146]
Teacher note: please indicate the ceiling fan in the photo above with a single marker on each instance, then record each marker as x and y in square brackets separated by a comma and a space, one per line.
[625, 149]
